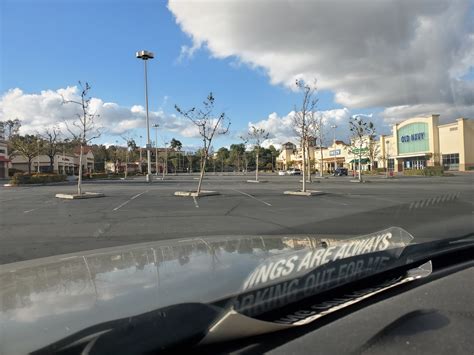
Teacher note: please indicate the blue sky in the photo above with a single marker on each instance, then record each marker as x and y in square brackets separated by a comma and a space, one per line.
[49, 45]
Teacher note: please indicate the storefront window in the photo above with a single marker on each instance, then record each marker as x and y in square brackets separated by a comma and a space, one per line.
[451, 161]
[414, 163]
[391, 164]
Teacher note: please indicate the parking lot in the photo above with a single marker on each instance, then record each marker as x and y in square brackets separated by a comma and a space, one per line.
[33, 223]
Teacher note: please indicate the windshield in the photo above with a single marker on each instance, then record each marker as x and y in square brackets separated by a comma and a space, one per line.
[273, 127]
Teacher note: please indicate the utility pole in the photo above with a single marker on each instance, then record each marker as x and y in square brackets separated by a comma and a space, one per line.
[156, 125]
[334, 143]
[145, 56]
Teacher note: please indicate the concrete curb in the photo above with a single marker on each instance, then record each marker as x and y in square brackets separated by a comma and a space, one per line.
[310, 182]
[257, 181]
[195, 194]
[46, 184]
[306, 193]
[362, 182]
[85, 195]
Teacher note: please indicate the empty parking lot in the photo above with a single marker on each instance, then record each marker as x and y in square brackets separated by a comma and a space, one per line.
[36, 224]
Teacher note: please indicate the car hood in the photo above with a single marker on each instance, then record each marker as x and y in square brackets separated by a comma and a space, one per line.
[46, 300]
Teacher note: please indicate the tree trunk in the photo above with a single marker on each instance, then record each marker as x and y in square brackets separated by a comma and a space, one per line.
[322, 156]
[309, 163]
[79, 179]
[201, 176]
[304, 166]
[126, 165]
[360, 165]
[256, 163]
[51, 164]
[29, 165]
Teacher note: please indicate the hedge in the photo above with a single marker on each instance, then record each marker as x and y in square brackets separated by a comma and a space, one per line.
[428, 171]
[21, 178]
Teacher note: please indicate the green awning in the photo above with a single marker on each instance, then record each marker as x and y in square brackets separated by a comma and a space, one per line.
[363, 160]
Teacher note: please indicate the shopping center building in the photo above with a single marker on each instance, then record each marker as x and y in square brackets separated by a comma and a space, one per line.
[420, 142]
[415, 143]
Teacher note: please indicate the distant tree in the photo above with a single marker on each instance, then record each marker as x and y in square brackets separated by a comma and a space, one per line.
[10, 128]
[302, 119]
[208, 126]
[52, 144]
[256, 136]
[362, 131]
[28, 146]
[131, 146]
[84, 128]
[236, 152]
[176, 144]
[222, 156]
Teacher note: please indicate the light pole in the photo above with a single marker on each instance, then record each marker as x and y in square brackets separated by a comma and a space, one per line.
[38, 160]
[386, 153]
[145, 55]
[165, 167]
[156, 125]
[334, 143]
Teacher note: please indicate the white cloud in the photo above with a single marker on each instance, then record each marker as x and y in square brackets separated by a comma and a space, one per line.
[46, 109]
[381, 53]
[282, 130]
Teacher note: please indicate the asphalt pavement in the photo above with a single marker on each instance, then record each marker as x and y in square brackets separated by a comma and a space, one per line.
[33, 223]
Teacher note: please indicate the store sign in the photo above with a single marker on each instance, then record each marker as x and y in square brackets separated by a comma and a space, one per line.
[335, 152]
[361, 151]
[412, 137]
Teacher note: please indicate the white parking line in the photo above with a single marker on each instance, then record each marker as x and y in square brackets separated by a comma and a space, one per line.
[195, 202]
[246, 194]
[28, 211]
[132, 198]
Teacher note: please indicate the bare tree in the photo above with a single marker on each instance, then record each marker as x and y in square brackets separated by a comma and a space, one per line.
[27, 146]
[84, 128]
[208, 126]
[256, 136]
[52, 144]
[362, 132]
[373, 150]
[302, 118]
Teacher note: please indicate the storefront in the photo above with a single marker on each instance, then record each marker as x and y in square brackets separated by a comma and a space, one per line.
[422, 142]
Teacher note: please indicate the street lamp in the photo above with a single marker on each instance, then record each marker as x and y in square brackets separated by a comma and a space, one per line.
[145, 55]
[335, 162]
[38, 160]
[156, 125]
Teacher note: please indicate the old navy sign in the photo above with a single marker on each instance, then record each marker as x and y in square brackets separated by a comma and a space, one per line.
[412, 137]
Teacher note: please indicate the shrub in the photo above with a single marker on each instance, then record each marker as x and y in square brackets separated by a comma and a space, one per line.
[21, 178]
[428, 171]
[13, 171]
[99, 176]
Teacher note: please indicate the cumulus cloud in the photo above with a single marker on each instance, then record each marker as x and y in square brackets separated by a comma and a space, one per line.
[390, 54]
[281, 128]
[46, 109]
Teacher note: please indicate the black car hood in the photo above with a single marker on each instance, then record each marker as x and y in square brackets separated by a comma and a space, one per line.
[46, 301]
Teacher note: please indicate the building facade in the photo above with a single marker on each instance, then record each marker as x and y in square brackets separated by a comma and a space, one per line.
[63, 163]
[422, 142]
[4, 159]
[415, 143]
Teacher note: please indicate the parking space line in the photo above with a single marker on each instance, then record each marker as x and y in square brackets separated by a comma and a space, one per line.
[131, 199]
[28, 211]
[195, 202]
[246, 194]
